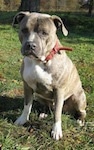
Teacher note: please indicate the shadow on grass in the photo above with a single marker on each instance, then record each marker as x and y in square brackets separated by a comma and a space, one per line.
[6, 17]
[11, 108]
[8, 103]
[79, 41]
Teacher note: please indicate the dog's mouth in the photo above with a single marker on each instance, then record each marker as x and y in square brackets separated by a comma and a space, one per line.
[30, 53]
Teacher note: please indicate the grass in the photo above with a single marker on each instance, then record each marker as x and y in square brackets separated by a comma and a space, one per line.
[36, 134]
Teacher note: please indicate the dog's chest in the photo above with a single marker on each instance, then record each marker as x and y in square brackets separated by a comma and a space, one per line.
[34, 73]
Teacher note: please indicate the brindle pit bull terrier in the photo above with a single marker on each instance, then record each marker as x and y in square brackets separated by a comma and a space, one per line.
[46, 70]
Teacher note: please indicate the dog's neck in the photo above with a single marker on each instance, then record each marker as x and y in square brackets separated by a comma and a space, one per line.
[57, 48]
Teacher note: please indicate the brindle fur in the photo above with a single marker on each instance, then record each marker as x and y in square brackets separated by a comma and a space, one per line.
[56, 80]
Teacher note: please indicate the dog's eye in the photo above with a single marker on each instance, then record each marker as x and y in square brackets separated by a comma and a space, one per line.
[25, 30]
[44, 33]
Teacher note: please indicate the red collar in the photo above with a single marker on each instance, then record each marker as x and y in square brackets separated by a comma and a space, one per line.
[55, 50]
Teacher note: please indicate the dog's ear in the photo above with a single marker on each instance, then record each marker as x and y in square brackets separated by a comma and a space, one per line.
[59, 24]
[18, 17]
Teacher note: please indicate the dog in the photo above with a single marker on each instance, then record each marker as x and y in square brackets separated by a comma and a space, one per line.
[47, 71]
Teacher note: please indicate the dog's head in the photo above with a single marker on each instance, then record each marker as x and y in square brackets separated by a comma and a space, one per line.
[38, 33]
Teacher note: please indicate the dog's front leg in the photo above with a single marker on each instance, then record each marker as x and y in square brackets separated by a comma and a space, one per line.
[28, 99]
[57, 128]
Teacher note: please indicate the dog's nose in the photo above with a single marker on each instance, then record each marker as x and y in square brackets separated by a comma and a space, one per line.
[31, 45]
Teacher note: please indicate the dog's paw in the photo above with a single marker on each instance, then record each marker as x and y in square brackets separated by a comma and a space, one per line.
[57, 131]
[21, 120]
[42, 115]
[81, 123]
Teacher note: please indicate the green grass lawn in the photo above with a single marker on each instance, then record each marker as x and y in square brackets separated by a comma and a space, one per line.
[36, 134]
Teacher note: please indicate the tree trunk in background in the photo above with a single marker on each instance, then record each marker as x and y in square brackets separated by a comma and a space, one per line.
[90, 7]
[30, 5]
[87, 4]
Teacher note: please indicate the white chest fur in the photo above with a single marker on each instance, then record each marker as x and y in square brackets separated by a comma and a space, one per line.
[34, 72]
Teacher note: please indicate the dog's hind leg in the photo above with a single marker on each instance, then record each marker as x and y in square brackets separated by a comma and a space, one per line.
[80, 105]
[28, 99]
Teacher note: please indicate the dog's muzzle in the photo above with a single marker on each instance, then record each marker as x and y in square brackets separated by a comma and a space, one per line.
[29, 49]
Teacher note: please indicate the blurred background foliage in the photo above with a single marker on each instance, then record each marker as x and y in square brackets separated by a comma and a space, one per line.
[52, 5]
